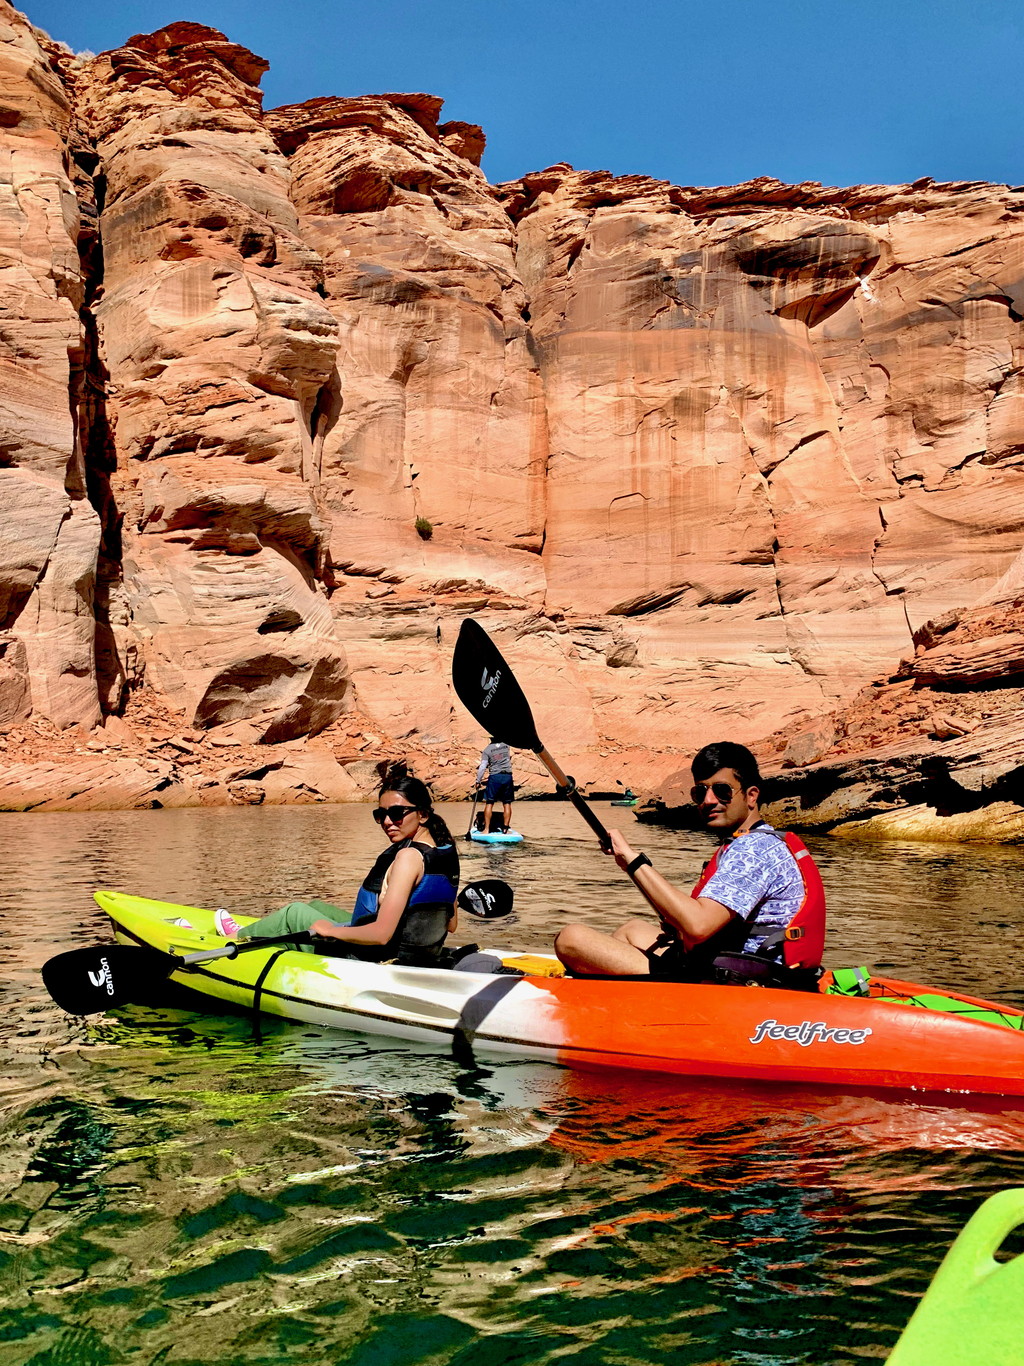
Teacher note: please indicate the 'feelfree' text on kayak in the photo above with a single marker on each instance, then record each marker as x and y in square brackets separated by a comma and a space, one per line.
[807, 1033]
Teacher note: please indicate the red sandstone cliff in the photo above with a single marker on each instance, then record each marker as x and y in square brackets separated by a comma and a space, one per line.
[703, 459]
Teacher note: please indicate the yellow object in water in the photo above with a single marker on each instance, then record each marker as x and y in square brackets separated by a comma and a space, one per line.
[535, 965]
[973, 1311]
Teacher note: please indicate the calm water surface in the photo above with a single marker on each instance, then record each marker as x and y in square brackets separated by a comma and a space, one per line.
[176, 1190]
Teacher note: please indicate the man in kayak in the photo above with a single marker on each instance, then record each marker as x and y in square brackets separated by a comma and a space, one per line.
[496, 762]
[755, 888]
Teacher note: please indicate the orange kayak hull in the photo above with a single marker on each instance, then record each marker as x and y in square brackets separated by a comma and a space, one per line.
[782, 1036]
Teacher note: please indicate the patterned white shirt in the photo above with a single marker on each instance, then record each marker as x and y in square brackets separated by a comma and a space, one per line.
[759, 879]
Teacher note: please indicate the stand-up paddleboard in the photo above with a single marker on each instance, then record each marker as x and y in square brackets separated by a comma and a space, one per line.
[509, 837]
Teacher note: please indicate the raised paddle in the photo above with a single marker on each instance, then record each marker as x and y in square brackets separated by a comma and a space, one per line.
[489, 691]
[85, 981]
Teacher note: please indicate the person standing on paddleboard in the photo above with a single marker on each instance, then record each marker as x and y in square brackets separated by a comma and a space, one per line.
[496, 762]
[406, 904]
[751, 891]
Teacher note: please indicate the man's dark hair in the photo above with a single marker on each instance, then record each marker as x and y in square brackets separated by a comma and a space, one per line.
[725, 754]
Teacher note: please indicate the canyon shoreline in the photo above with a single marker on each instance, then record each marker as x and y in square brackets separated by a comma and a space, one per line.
[286, 394]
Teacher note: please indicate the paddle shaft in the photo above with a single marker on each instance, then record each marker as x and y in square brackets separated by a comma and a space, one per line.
[488, 689]
[235, 947]
[82, 981]
[572, 792]
[578, 801]
[472, 814]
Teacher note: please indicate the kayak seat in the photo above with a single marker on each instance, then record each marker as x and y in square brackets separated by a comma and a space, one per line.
[728, 969]
[756, 969]
[470, 958]
[485, 962]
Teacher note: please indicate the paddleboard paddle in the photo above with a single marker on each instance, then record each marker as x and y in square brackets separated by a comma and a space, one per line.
[472, 814]
[84, 981]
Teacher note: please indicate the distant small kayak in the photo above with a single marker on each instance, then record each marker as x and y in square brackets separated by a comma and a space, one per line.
[509, 837]
[624, 801]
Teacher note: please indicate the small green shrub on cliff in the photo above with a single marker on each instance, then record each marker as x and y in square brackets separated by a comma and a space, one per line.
[425, 528]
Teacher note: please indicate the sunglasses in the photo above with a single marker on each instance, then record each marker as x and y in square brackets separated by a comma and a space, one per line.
[395, 814]
[723, 792]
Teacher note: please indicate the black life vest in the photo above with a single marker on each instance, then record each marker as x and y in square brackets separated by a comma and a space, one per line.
[421, 931]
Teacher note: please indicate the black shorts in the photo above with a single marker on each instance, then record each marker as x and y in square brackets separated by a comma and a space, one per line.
[674, 964]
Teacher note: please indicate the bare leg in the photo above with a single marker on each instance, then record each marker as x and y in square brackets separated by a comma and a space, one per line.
[619, 955]
[642, 934]
[507, 815]
[487, 817]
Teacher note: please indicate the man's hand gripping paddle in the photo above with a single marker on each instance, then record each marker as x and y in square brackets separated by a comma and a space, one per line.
[88, 980]
[488, 690]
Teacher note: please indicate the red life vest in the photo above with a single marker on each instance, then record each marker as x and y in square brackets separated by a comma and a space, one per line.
[804, 940]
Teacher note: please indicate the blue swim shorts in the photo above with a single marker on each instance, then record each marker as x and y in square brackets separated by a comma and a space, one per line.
[499, 788]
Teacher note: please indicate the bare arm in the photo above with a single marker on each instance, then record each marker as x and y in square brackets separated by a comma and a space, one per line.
[695, 919]
[405, 874]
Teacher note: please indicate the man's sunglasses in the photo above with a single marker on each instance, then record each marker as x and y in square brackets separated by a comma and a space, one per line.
[723, 792]
[395, 814]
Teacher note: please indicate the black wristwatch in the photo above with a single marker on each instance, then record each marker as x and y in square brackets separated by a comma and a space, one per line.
[638, 862]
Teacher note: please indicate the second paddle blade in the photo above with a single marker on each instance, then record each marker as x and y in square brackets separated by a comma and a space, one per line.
[488, 899]
[88, 980]
[488, 690]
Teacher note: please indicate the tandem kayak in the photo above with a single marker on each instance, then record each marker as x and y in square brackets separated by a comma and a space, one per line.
[897, 1035]
[508, 837]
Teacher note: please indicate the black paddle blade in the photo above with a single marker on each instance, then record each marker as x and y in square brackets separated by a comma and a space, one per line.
[488, 690]
[488, 899]
[87, 980]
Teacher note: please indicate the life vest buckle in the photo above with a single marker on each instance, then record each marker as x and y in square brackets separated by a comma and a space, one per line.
[794, 931]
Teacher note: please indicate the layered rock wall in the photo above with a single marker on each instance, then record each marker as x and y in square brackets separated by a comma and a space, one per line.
[784, 421]
[286, 394]
[216, 350]
[50, 542]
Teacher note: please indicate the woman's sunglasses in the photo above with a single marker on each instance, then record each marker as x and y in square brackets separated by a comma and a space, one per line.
[395, 814]
[723, 792]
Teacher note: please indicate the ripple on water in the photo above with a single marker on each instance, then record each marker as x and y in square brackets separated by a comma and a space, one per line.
[176, 1190]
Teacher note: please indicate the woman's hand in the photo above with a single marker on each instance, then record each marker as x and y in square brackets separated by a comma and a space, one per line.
[622, 851]
[324, 929]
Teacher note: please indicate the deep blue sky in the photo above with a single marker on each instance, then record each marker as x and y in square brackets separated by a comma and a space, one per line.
[841, 91]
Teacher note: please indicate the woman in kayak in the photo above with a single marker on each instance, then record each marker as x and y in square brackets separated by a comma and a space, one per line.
[406, 904]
